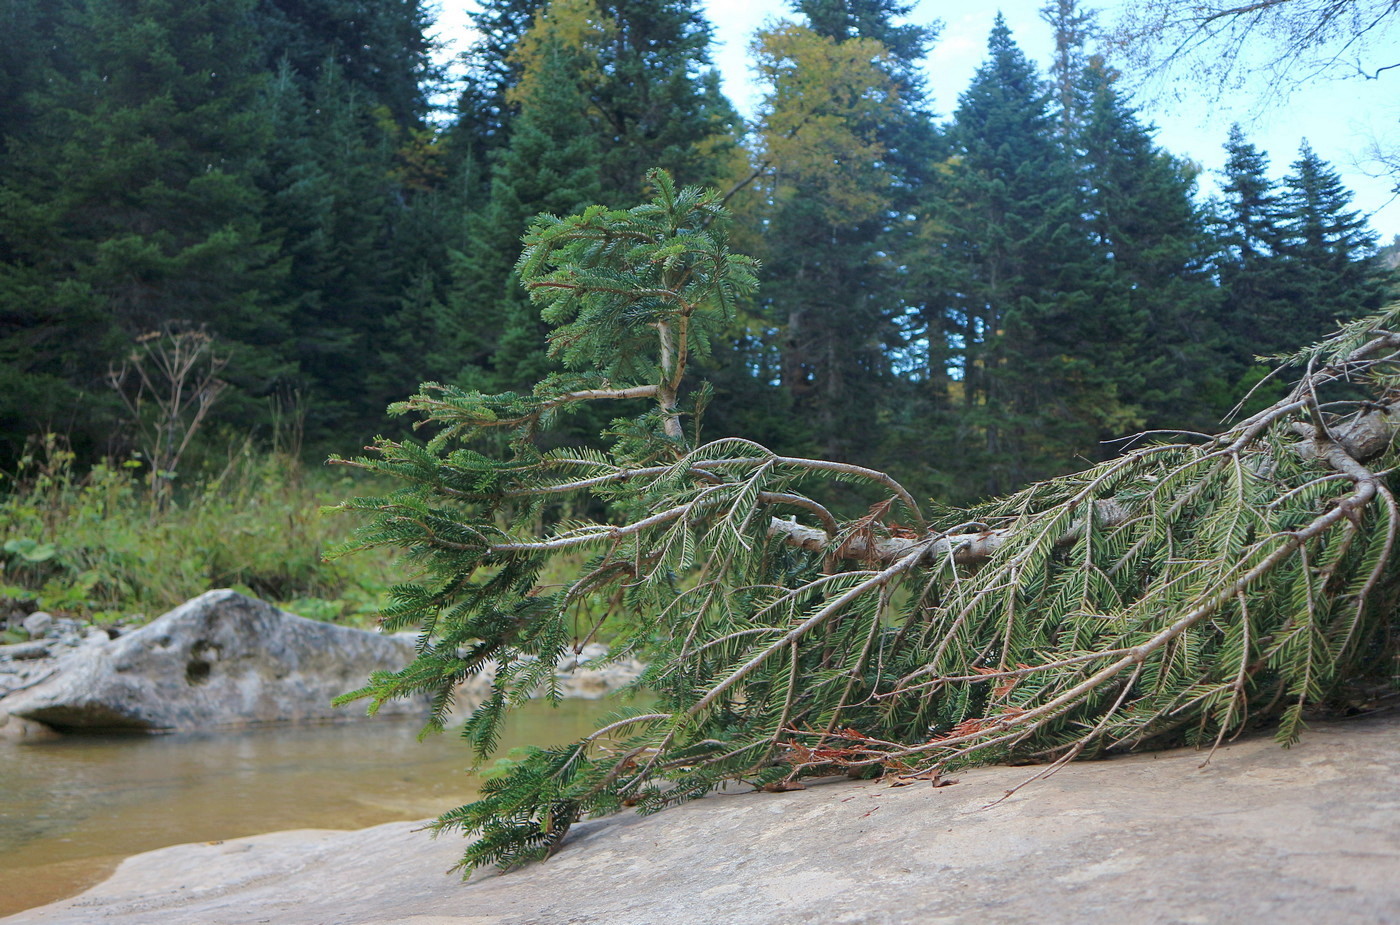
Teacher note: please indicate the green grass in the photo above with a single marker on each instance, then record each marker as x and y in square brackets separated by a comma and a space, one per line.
[97, 545]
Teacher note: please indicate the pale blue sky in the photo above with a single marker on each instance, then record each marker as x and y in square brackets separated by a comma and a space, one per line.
[1339, 118]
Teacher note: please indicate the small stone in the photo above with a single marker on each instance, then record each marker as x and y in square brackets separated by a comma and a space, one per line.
[37, 624]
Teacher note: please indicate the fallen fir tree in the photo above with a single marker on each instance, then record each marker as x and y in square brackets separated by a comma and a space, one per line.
[1177, 593]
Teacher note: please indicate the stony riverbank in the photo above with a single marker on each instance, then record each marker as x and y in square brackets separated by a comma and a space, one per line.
[47, 641]
[1260, 834]
[49, 638]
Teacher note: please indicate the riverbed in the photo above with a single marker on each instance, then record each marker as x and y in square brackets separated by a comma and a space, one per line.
[71, 808]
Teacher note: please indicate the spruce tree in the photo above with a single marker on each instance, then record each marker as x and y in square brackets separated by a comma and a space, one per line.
[381, 48]
[130, 199]
[661, 105]
[596, 93]
[658, 102]
[40, 360]
[334, 200]
[550, 164]
[884, 21]
[263, 169]
[1256, 308]
[1141, 217]
[361, 207]
[25, 54]
[1328, 248]
[483, 114]
[844, 145]
[1037, 346]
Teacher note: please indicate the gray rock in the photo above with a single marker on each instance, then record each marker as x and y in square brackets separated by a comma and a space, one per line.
[1300, 836]
[18, 674]
[222, 659]
[38, 648]
[37, 624]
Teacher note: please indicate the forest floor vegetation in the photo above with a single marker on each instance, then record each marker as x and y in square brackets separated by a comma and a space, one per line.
[97, 545]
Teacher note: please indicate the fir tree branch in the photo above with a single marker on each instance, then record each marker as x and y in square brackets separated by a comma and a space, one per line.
[876, 580]
[593, 533]
[1178, 590]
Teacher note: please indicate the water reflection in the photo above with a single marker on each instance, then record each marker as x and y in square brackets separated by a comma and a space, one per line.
[71, 808]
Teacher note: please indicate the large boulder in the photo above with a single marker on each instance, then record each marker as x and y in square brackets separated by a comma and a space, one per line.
[222, 659]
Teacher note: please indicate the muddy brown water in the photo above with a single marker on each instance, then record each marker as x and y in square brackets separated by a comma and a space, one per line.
[72, 808]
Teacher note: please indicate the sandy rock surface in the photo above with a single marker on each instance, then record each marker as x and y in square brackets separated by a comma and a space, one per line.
[1260, 835]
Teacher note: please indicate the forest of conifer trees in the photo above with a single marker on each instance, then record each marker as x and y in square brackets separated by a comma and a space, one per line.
[973, 299]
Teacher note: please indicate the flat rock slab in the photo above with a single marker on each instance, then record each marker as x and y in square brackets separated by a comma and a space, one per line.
[1305, 835]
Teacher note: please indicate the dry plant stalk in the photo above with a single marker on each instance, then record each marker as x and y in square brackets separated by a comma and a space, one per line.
[169, 383]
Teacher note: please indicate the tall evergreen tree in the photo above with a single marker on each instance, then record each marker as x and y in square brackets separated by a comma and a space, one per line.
[1141, 217]
[37, 355]
[905, 43]
[380, 47]
[828, 198]
[589, 98]
[1328, 246]
[844, 144]
[1036, 348]
[658, 103]
[27, 50]
[352, 184]
[1293, 259]
[550, 164]
[335, 202]
[130, 201]
[483, 114]
[661, 105]
[1256, 313]
[260, 167]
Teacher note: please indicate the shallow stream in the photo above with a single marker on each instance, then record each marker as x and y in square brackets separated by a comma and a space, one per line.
[72, 808]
